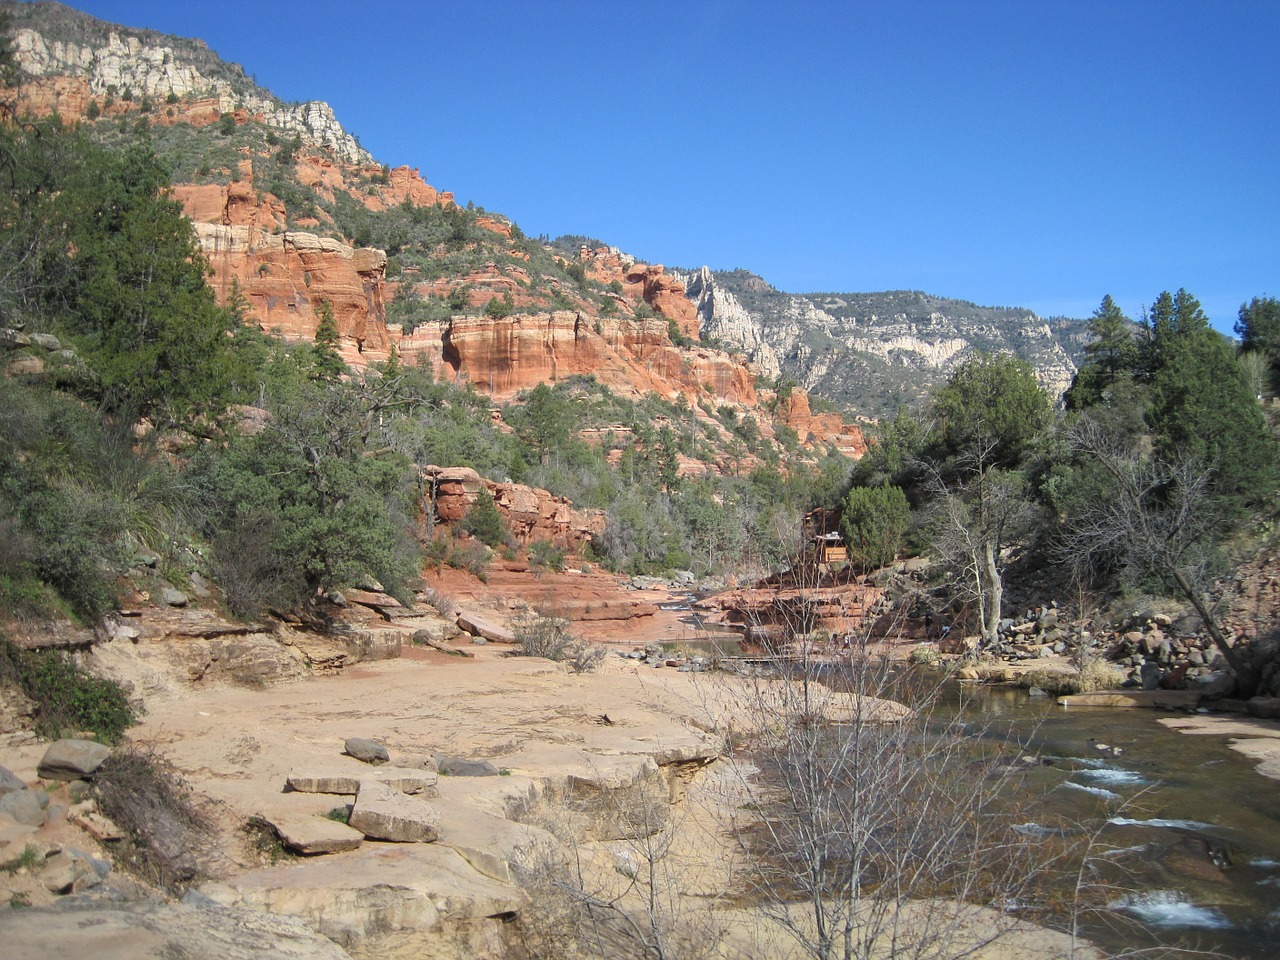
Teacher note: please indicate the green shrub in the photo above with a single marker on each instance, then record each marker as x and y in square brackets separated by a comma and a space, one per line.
[484, 522]
[68, 699]
[545, 555]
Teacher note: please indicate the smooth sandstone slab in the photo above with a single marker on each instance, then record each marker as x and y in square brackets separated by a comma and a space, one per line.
[347, 782]
[377, 889]
[381, 813]
[315, 835]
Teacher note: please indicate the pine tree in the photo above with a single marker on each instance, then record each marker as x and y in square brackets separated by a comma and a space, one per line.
[326, 360]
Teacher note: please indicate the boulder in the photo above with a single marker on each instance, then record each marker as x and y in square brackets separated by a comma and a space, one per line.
[460, 767]
[347, 782]
[173, 598]
[381, 813]
[72, 760]
[71, 871]
[367, 751]
[479, 625]
[1265, 708]
[24, 806]
[10, 781]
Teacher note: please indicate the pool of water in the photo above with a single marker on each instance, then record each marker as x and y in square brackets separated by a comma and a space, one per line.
[1187, 833]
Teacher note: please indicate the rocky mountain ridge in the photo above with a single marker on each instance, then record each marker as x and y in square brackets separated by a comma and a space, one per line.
[52, 41]
[873, 352]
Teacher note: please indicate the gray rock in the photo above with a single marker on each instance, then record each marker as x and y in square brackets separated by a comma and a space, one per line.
[1266, 708]
[72, 760]
[23, 806]
[460, 767]
[45, 341]
[1150, 673]
[173, 597]
[10, 781]
[368, 751]
[381, 813]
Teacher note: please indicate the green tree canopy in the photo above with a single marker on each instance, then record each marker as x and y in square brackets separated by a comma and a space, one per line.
[991, 406]
[874, 521]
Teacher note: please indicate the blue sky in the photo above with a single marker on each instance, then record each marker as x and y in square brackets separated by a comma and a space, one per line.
[1010, 152]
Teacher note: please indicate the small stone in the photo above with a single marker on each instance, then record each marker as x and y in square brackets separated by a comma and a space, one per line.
[71, 760]
[367, 751]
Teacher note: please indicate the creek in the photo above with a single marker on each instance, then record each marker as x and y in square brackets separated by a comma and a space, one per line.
[1189, 834]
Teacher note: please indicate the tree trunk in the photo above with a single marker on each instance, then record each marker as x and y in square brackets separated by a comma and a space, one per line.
[995, 594]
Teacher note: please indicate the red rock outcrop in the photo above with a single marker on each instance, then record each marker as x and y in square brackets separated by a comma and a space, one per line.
[784, 613]
[664, 294]
[530, 513]
[405, 184]
[503, 356]
[821, 428]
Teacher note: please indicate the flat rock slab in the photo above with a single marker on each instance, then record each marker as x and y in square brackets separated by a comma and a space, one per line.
[347, 782]
[381, 813]
[315, 835]
[160, 931]
[1167, 699]
[478, 625]
[377, 889]
[72, 760]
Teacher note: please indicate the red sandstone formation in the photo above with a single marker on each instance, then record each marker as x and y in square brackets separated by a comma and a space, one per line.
[530, 513]
[665, 295]
[823, 428]
[786, 612]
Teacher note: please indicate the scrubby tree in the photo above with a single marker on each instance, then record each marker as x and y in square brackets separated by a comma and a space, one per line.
[326, 360]
[1258, 328]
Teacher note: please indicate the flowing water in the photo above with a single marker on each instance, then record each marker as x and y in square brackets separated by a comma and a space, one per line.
[1188, 834]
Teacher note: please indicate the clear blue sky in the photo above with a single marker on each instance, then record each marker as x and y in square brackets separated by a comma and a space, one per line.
[1037, 153]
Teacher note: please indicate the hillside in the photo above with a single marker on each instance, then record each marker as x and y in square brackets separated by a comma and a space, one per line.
[874, 352]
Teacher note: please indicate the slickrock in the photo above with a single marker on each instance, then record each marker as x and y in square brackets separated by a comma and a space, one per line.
[378, 889]
[161, 931]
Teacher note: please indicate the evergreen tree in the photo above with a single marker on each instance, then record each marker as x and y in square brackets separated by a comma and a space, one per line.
[874, 521]
[326, 359]
[1258, 328]
[1112, 352]
[137, 298]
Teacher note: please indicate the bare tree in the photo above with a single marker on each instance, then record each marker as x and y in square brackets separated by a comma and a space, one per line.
[879, 825]
[1159, 519]
[976, 511]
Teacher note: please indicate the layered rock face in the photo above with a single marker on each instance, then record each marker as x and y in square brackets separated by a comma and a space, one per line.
[530, 513]
[286, 274]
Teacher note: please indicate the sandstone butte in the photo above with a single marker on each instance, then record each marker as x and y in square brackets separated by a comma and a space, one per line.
[284, 274]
